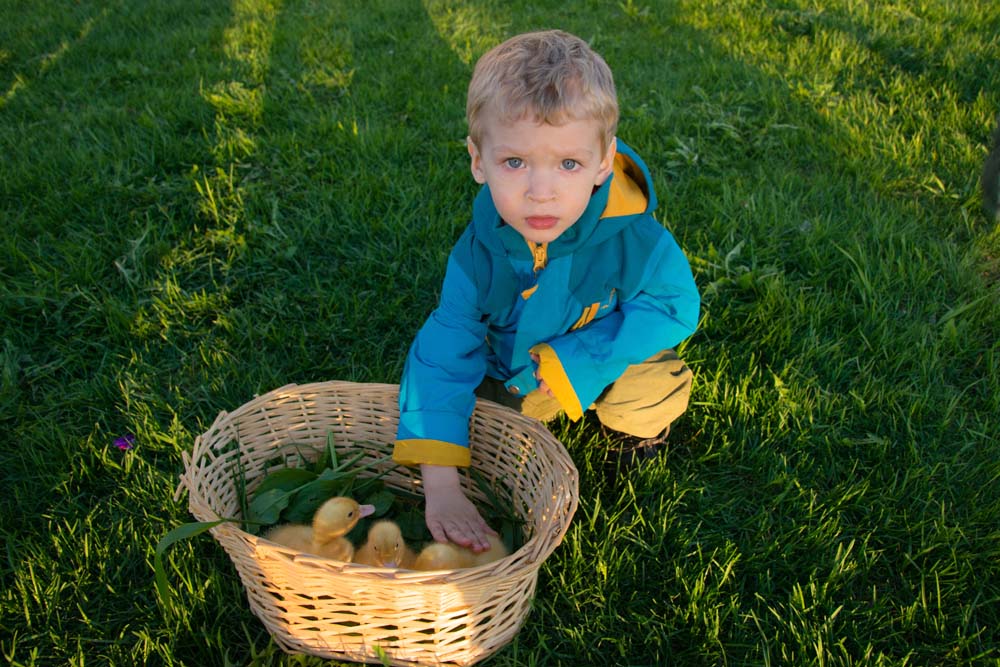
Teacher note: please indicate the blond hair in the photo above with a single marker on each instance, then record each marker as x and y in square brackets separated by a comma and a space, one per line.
[549, 76]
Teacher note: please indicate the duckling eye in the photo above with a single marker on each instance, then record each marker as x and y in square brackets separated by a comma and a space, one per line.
[350, 514]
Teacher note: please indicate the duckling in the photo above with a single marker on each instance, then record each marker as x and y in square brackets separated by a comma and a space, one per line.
[443, 556]
[448, 556]
[385, 547]
[292, 535]
[496, 551]
[334, 519]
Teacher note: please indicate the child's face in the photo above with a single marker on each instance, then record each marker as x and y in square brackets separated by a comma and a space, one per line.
[541, 176]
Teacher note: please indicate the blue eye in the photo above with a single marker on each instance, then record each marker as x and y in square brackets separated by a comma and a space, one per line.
[514, 162]
[569, 165]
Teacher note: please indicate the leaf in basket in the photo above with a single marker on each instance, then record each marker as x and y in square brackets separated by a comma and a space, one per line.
[286, 479]
[346, 465]
[485, 487]
[382, 500]
[359, 533]
[266, 507]
[301, 510]
[412, 525]
[343, 477]
[362, 488]
[307, 499]
[329, 457]
[511, 534]
[499, 515]
[182, 532]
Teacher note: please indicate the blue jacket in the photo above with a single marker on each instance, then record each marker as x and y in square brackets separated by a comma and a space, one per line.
[612, 290]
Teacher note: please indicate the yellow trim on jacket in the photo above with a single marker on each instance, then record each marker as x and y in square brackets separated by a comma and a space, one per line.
[551, 370]
[625, 197]
[434, 452]
[588, 315]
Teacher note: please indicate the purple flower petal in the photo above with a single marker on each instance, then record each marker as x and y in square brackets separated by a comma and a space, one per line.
[125, 442]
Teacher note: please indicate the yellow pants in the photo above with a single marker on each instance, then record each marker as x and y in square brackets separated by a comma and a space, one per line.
[643, 401]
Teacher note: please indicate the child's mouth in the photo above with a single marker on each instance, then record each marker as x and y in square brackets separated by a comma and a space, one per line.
[541, 222]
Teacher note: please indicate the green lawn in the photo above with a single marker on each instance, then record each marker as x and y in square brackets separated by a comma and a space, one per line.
[203, 201]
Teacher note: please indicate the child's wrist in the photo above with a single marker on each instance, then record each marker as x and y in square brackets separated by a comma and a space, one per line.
[438, 477]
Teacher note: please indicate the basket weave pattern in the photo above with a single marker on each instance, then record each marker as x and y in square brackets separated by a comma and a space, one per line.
[354, 612]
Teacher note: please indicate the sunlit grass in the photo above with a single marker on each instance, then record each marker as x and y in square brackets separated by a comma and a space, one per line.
[205, 201]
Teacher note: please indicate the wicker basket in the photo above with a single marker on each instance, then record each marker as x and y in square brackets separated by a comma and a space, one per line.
[353, 612]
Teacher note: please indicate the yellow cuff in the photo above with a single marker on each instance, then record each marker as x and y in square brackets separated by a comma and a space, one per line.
[434, 452]
[551, 370]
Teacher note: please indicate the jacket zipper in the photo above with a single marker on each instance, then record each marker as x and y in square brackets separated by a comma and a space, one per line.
[539, 252]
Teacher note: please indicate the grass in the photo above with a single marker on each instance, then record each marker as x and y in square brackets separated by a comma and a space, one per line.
[205, 201]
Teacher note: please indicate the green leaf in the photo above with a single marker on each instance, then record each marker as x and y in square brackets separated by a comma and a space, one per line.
[512, 534]
[182, 532]
[413, 526]
[485, 487]
[286, 479]
[331, 450]
[328, 459]
[266, 507]
[382, 500]
[346, 465]
[499, 515]
[307, 500]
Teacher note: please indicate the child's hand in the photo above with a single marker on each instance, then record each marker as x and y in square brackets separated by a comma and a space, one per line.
[542, 384]
[450, 516]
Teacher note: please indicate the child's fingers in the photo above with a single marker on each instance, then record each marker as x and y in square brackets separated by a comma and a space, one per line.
[482, 543]
[438, 531]
[469, 535]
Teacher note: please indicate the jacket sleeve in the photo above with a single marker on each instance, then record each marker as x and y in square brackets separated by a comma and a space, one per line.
[446, 363]
[658, 314]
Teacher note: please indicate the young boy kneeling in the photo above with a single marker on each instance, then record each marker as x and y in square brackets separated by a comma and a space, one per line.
[564, 292]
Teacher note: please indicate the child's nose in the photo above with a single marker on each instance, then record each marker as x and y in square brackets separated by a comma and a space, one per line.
[541, 187]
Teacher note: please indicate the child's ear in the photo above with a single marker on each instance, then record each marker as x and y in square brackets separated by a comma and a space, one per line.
[608, 162]
[476, 163]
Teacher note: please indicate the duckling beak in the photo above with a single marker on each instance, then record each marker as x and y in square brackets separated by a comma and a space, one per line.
[366, 510]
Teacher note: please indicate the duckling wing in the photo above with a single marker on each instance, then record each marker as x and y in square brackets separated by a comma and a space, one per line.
[441, 556]
[292, 535]
[339, 548]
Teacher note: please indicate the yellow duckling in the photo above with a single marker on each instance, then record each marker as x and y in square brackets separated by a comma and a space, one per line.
[385, 547]
[292, 535]
[448, 556]
[496, 551]
[443, 556]
[334, 519]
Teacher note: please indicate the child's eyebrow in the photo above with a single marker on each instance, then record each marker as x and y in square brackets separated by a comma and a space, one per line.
[503, 149]
[507, 150]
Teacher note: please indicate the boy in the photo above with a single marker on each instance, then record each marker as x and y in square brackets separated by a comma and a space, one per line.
[563, 291]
